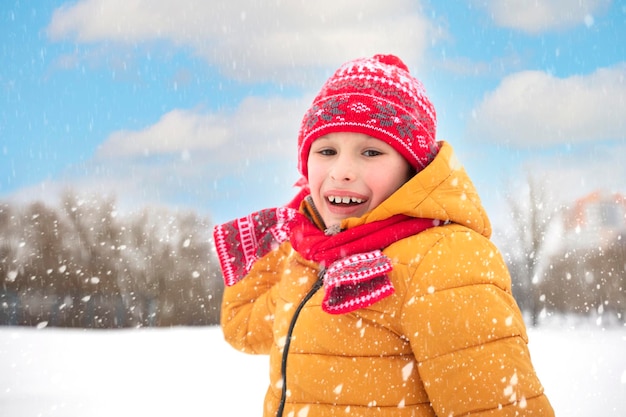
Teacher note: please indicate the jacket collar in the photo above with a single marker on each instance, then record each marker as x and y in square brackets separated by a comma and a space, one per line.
[441, 191]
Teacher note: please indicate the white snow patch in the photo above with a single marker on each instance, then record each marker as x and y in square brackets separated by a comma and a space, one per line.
[192, 371]
[406, 371]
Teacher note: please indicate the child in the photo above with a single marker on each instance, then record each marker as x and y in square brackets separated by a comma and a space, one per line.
[377, 291]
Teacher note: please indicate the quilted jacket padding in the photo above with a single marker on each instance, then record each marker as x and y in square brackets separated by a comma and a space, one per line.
[450, 341]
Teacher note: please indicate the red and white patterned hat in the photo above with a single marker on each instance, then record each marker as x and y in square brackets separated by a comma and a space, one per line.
[378, 97]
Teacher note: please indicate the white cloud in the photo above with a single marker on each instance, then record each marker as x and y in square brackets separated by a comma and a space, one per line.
[177, 131]
[255, 40]
[543, 15]
[259, 128]
[532, 108]
[228, 163]
[224, 163]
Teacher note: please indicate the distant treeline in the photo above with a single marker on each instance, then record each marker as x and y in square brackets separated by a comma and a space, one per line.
[83, 264]
[583, 281]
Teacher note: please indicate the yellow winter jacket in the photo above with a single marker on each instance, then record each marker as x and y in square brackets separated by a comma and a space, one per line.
[450, 341]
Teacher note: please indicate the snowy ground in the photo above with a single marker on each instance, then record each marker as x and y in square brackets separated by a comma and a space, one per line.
[192, 372]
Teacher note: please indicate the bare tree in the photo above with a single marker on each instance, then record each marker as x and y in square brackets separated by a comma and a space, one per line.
[86, 266]
[532, 217]
[589, 280]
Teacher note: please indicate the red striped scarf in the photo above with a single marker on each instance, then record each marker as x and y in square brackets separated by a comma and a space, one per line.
[355, 269]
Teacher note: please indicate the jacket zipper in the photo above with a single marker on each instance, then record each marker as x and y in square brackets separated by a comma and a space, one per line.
[283, 364]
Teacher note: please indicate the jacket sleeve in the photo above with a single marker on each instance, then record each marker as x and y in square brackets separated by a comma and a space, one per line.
[247, 314]
[467, 333]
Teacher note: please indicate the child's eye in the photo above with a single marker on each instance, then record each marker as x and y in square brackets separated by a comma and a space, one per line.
[326, 152]
[372, 152]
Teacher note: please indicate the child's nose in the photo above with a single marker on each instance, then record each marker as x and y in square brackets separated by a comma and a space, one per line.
[343, 169]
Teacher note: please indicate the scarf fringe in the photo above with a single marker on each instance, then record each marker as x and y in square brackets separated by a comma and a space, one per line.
[366, 299]
[356, 282]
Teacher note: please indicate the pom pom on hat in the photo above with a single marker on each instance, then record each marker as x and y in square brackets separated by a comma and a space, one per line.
[378, 97]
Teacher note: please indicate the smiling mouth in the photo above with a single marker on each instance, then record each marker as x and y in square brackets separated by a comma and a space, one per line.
[346, 201]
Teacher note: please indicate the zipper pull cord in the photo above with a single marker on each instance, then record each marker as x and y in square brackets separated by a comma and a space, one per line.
[283, 364]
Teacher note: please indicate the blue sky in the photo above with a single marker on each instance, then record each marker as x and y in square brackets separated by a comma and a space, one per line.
[196, 105]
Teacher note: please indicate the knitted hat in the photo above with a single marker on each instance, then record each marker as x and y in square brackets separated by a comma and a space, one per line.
[378, 97]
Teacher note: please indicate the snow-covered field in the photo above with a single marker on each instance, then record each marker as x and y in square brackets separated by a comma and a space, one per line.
[192, 372]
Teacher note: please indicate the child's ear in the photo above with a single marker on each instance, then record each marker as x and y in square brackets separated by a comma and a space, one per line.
[412, 172]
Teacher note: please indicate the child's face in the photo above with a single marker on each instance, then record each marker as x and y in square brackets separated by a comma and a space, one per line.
[352, 173]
